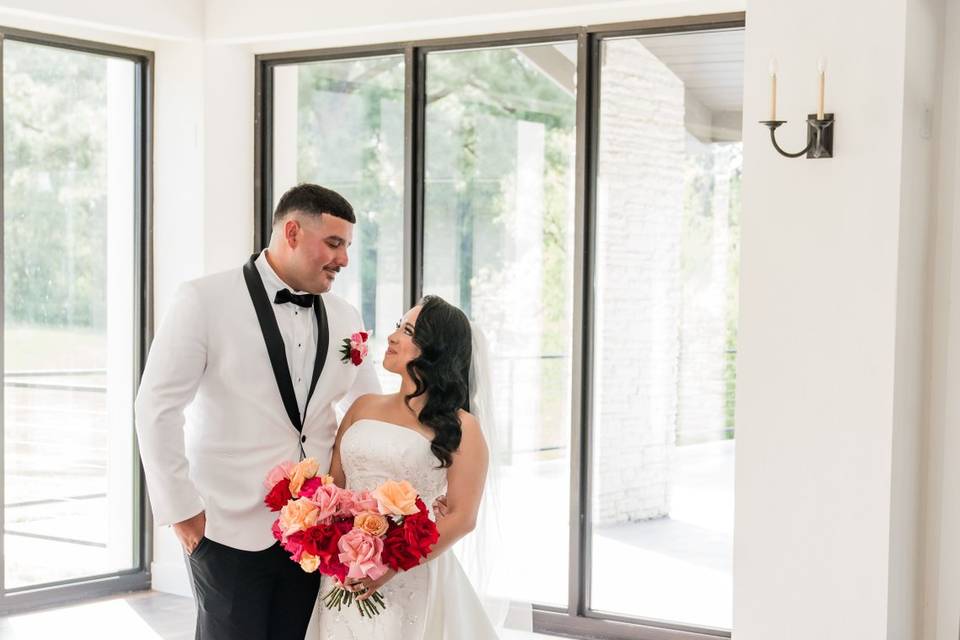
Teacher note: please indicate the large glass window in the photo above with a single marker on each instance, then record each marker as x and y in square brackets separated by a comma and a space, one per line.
[667, 256]
[498, 228]
[71, 314]
[340, 124]
[577, 195]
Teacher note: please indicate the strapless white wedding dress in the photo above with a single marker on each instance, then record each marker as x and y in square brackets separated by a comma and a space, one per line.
[434, 601]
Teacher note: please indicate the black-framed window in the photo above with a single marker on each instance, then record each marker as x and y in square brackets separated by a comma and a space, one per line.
[576, 191]
[76, 144]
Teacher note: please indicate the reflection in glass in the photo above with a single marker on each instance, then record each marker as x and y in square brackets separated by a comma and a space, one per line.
[497, 240]
[340, 124]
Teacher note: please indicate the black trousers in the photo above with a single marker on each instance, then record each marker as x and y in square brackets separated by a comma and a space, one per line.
[250, 595]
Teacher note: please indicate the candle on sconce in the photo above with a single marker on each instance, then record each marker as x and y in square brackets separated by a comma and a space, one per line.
[822, 69]
[773, 89]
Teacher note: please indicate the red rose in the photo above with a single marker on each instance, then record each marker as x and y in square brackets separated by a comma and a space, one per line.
[278, 496]
[323, 540]
[420, 533]
[277, 533]
[397, 553]
[335, 569]
[355, 357]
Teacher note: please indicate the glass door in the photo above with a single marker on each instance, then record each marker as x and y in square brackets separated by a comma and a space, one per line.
[72, 161]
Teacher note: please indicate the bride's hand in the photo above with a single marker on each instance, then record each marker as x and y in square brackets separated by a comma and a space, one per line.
[367, 587]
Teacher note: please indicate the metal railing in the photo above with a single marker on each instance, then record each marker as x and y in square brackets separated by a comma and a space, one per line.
[27, 379]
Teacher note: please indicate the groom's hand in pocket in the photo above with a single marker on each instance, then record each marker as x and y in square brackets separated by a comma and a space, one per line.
[190, 531]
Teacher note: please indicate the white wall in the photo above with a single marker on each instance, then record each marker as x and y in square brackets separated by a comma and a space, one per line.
[942, 579]
[151, 19]
[918, 199]
[303, 23]
[831, 376]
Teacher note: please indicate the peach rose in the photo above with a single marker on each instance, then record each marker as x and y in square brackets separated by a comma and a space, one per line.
[372, 523]
[303, 470]
[396, 498]
[297, 515]
[309, 562]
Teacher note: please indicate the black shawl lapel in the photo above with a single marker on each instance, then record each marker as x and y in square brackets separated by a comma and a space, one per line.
[323, 345]
[274, 341]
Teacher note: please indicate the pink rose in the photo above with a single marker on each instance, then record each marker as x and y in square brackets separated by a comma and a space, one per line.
[362, 502]
[310, 486]
[294, 545]
[361, 553]
[358, 338]
[331, 501]
[278, 473]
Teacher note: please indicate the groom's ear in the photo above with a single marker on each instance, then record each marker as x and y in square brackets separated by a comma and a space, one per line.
[291, 231]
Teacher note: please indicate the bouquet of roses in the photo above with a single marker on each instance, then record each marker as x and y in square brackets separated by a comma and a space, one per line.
[345, 534]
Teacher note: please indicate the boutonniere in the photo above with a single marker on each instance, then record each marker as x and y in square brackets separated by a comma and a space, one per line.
[354, 348]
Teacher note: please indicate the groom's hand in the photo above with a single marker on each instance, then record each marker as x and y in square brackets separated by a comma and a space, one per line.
[440, 508]
[190, 531]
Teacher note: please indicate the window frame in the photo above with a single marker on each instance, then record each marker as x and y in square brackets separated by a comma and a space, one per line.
[577, 619]
[138, 577]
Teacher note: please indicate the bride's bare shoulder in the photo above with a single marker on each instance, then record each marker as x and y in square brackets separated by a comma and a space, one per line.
[365, 403]
[468, 420]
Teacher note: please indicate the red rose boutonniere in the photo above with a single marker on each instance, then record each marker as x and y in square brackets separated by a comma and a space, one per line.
[354, 348]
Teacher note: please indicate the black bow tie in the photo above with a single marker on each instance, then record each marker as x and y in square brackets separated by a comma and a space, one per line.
[304, 300]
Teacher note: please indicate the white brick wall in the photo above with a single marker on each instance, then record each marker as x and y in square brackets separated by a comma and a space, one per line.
[661, 316]
[641, 171]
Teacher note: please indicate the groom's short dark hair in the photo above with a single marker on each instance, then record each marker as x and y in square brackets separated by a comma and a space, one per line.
[313, 199]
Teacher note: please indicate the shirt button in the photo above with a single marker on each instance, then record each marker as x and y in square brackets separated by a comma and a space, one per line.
[299, 379]
[300, 345]
[303, 438]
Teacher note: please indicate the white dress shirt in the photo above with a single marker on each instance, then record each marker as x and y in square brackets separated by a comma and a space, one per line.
[298, 328]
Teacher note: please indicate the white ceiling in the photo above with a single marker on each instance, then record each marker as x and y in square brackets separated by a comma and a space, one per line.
[710, 64]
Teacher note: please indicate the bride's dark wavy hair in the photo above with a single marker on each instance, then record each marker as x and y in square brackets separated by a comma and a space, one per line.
[442, 372]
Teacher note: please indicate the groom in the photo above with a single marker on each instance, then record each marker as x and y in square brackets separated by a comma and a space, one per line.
[245, 372]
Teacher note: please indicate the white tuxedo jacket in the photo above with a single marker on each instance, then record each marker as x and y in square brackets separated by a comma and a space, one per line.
[216, 409]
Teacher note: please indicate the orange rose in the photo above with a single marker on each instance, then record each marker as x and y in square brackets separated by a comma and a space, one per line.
[297, 515]
[396, 498]
[372, 523]
[303, 470]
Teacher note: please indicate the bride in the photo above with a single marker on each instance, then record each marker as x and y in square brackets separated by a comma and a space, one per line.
[426, 435]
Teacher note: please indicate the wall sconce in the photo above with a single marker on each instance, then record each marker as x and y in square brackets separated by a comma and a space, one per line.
[819, 125]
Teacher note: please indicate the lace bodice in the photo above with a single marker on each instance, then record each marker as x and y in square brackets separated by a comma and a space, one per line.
[374, 451]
